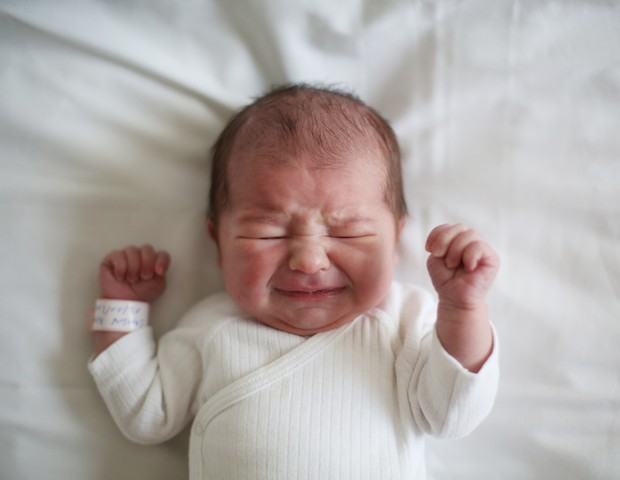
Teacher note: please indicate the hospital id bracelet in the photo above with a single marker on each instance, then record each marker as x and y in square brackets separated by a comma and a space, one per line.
[120, 315]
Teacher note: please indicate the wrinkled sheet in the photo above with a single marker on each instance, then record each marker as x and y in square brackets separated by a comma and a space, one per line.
[508, 114]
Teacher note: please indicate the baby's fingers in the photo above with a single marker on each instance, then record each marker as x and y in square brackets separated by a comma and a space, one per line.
[440, 238]
[133, 264]
[133, 257]
[480, 254]
[144, 263]
[472, 255]
[162, 263]
[147, 262]
[153, 263]
[460, 244]
[116, 263]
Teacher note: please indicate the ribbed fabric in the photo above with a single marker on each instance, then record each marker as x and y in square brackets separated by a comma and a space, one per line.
[351, 403]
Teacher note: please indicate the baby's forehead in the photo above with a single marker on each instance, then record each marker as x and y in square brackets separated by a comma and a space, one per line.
[329, 136]
[313, 157]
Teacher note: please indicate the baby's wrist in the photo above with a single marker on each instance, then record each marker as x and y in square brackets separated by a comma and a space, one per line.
[126, 296]
[102, 340]
[114, 318]
[462, 306]
[121, 316]
[462, 313]
[465, 332]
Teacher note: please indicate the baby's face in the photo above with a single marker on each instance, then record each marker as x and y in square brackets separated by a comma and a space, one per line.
[306, 250]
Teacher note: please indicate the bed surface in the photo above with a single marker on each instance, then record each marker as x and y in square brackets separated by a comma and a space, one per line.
[508, 113]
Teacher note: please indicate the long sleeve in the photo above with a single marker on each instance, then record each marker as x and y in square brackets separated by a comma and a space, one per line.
[446, 400]
[148, 390]
[152, 390]
[449, 400]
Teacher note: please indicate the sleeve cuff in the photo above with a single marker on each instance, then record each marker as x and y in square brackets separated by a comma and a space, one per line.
[456, 399]
[134, 348]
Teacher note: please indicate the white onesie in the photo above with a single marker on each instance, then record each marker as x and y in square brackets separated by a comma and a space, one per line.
[351, 403]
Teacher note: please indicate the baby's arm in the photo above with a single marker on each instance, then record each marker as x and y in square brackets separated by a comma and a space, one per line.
[133, 273]
[149, 388]
[462, 267]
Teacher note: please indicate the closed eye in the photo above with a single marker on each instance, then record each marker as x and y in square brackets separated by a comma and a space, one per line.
[352, 237]
[248, 237]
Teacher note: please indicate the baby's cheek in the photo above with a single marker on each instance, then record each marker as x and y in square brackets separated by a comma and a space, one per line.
[243, 287]
[249, 271]
[374, 278]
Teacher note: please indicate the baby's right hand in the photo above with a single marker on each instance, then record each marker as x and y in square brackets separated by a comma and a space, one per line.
[134, 273]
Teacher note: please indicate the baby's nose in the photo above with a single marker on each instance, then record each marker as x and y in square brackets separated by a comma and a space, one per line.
[308, 256]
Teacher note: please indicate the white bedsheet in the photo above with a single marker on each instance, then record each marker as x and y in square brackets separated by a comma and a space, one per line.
[509, 117]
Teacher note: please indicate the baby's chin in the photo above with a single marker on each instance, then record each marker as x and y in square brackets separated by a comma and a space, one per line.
[305, 328]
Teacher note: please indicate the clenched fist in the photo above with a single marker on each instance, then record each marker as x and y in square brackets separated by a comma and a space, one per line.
[134, 273]
[462, 266]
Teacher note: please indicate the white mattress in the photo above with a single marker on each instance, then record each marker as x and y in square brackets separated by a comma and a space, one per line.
[509, 117]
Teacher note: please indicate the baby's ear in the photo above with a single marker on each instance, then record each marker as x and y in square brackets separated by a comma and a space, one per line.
[400, 226]
[211, 229]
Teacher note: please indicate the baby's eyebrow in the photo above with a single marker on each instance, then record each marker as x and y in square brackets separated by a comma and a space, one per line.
[341, 220]
[262, 217]
[277, 217]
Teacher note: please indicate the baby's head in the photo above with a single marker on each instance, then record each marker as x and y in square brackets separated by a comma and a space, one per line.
[306, 206]
[329, 124]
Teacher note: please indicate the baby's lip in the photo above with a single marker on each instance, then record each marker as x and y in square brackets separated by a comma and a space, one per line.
[309, 292]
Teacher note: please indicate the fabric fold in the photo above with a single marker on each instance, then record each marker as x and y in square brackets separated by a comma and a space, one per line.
[267, 375]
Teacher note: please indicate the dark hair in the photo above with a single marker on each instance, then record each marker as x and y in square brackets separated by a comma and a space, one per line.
[301, 117]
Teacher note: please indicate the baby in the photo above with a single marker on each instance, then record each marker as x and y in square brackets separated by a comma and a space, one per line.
[314, 364]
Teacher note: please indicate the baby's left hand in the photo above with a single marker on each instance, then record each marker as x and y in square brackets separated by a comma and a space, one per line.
[462, 266]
